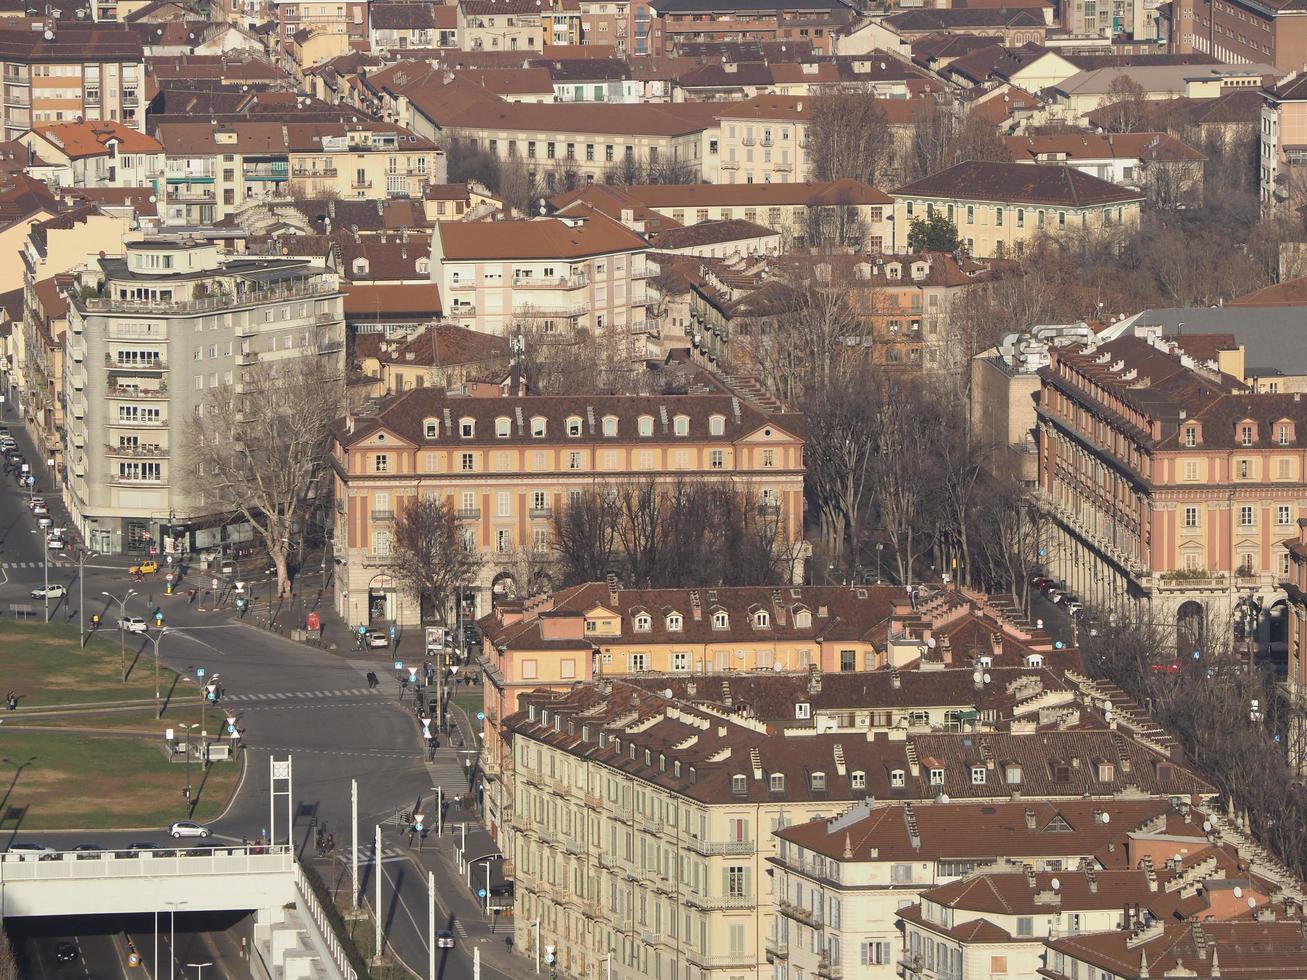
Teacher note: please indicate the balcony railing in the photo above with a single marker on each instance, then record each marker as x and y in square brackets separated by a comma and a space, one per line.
[136, 451]
[560, 282]
[729, 164]
[383, 515]
[469, 513]
[127, 391]
[748, 141]
[779, 948]
[321, 172]
[709, 848]
[709, 961]
[150, 364]
[541, 512]
[799, 913]
[137, 481]
[721, 901]
[221, 302]
[833, 971]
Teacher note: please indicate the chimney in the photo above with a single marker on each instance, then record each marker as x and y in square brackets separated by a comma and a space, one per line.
[946, 649]
[814, 679]
[996, 643]
[1030, 819]
[895, 681]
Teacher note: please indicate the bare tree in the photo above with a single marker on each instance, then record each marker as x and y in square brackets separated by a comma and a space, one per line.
[259, 449]
[946, 134]
[586, 536]
[1124, 106]
[430, 558]
[848, 137]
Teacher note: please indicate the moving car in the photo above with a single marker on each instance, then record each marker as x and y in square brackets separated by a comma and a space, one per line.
[188, 828]
[49, 592]
[66, 952]
[133, 624]
[44, 521]
[376, 638]
[145, 568]
[444, 939]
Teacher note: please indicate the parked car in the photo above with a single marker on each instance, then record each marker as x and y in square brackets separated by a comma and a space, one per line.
[1073, 606]
[44, 521]
[133, 624]
[376, 638]
[88, 852]
[50, 592]
[188, 828]
[28, 851]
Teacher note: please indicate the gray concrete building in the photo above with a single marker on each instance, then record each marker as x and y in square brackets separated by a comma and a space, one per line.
[150, 334]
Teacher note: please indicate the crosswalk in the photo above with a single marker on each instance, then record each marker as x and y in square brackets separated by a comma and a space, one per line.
[389, 854]
[36, 564]
[351, 692]
[460, 929]
[447, 772]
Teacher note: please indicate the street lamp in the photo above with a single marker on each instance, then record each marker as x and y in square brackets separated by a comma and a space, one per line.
[158, 704]
[81, 592]
[45, 554]
[172, 938]
[486, 858]
[122, 630]
[198, 968]
[190, 730]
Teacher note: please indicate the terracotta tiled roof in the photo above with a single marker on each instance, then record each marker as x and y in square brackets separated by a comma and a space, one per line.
[1244, 950]
[200, 138]
[509, 82]
[22, 198]
[811, 194]
[409, 300]
[79, 140]
[961, 19]
[544, 238]
[407, 16]
[103, 42]
[712, 233]
[444, 344]
[1019, 183]
[1159, 147]
[1291, 292]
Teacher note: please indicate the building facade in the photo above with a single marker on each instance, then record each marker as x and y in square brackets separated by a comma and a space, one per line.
[148, 335]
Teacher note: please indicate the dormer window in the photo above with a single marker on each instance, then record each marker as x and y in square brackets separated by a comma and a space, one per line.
[776, 782]
[675, 623]
[644, 425]
[803, 619]
[818, 780]
[431, 428]
[539, 426]
[1012, 774]
[610, 426]
[761, 620]
[573, 426]
[1106, 772]
[739, 784]
[1035, 660]
[978, 775]
[423, 267]
[360, 266]
[858, 779]
[1284, 433]
[1191, 435]
[467, 428]
[716, 425]
[802, 710]
[897, 778]
[643, 623]
[1247, 433]
[681, 425]
[721, 621]
[503, 427]
[937, 777]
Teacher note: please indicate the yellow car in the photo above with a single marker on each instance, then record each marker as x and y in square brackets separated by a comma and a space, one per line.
[145, 568]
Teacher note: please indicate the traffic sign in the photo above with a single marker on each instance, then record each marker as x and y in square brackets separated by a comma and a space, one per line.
[481, 716]
[214, 583]
[168, 577]
[199, 671]
[399, 665]
[481, 893]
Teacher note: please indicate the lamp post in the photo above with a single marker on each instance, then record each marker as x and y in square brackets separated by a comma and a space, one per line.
[81, 592]
[190, 731]
[45, 555]
[122, 630]
[158, 704]
[172, 938]
[198, 968]
[486, 858]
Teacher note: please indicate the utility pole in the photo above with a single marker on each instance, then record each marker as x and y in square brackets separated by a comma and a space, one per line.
[376, 873]
[431, 925]
[354, 848]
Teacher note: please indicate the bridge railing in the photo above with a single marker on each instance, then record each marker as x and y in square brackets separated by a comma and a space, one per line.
[65, 865]
[326, 926]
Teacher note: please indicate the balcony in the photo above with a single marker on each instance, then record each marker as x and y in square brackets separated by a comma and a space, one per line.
[378, 558]
[782, 167]
[154, 333]
[383, 515]
[594, 801]
[651, 937]
[469, 513]
[748, 141]
[149, 364]
[219, 303]
[308, 172]
[799, 913]
[561, 282]
[247, 358]
[729, 164]
[328, 316]
[777, 948]
[833, 971]
[708, 902]
[710, 848]
[267, 171]
[767, 141]
[131, 391]
[136, 452]
[360, 185]
[652, 824]
[712, 961]
[540, 513]
[462, 284]
[193, 196]
[136, 481]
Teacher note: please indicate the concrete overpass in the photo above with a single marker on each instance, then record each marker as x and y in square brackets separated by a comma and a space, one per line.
[292, 936]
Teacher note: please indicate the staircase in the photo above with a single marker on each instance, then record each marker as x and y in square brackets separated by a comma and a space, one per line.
[753, 391]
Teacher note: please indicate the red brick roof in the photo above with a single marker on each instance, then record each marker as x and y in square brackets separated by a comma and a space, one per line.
[1019, 183]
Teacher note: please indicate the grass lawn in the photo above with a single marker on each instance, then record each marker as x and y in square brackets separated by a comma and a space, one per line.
[470, 703]
[140, 720]
[45, 666]
[67, 780]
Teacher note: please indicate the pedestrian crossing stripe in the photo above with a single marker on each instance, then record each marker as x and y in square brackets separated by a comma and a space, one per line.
[301, 695]
[35, 564]
[460, 929]
[389, 855]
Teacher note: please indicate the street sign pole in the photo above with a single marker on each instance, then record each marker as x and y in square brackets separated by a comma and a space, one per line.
[440, 808]
[376, 873]
[431, 925]
[354, 850]
[476, 963]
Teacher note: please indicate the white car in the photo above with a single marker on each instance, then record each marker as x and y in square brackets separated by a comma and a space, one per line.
[377, 638]
[55, 543]
[50, 592]
[133, 624]
[39, 507]
[188, 828]
[44, 521]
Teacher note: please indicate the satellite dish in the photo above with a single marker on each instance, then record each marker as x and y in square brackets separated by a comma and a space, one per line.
[667, 692]
[1039, 624]
[930, 642]
[1238, 892]
[1252, 902]
[942, 798]
[1055, 884]
[986, 678]
[1207, 826]
[776, 667]
[49, 35]
[1107, 705]
[1107, 818]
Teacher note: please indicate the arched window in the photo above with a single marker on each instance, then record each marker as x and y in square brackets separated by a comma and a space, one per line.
[503, 427]
[721, 620]
[573, 426]
[761, 619]
[645, 425]
[643, 623]
[431, 428]
[717, 425]
[610, 426]
[467, 427]
[539, 426]
[681, 425]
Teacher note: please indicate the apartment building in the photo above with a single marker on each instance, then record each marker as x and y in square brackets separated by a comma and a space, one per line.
[1169, 484]
[68, 73]
[95, 154]
[348, 18]
[1000, 208]
[399, 26]
[794, 209]
[639, 823]
[441, 355]
[1168, 170]
[765, 139]
[148, 335]
[1282, 148]
[501, 25]
[841, 882]
[212, 171]
[507, 464]
[1294, 583]
[996, 923]
[579, 270]
[691, 22]
[1239, 32]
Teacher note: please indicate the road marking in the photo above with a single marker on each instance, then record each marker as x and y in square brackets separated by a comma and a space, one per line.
[460, 928]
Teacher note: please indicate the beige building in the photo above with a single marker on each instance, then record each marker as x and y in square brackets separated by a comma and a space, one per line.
[1282, 147]
[214, 171]
[440, 356]
[500, 25]
[1000, 208]
[577, 271]
[508, 464]
[642, 826]
[95, 154]
[765, 139]
[72, 72]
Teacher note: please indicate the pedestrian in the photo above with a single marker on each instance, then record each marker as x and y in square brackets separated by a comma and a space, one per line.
[12, 700]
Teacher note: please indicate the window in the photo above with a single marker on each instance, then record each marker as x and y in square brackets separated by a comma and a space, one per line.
[467, 428]
[1190, 436]
[674, 623]
[431, 428]
[998, 216]
[573, 426]
[1025, 925]
[876, 953]
[716, 459]
[937, 777]
[1282, 435]
[539, 426]
[768, 458]
[503, 427]
[721, 620]
[610, 426]
[1282, 515]
[900, 874]
[897, 777]
[1246, 517]
[776, 782]
[802, 710]
[468, 462]
[681, 425]
[1191, 517]
[503, 541]
[1245, 435]
[680, 661]
[643, 623]
[644, 425]
[977, 775]
[1191, 469]
[1245, 468]
[739, 785]
[716, 425]
[818, 780]
[858, 779]
[997, 965]
[638, 662]
[737, 881]
[761, 619]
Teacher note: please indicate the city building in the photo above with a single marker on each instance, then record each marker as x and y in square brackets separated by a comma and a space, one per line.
[1168, 170]
[213, 171]
[440, 356]
[1169, 484]
[579, 270]
[689, 22]
[841, 882]
[69, 72]
[290, 17]
[501, 25]
[95, 154]
[999, 208]
[1238, 33]
[1282, 147]
[148, 335]
[508, 464]
[639, 824]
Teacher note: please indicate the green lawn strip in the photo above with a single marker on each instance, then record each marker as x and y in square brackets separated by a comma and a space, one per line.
[45, 666]
[471, 704]
[140, 720]
[53, 781]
